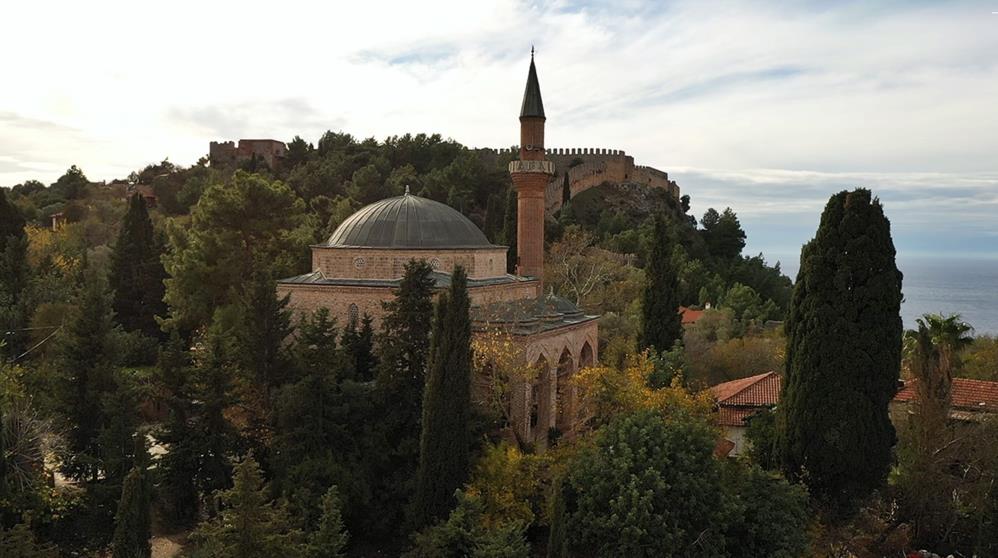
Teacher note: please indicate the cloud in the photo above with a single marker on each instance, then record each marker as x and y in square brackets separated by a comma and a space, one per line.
[811, 96]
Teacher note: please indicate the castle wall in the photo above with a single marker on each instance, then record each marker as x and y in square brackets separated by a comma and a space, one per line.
[227, 153]
[389, 263]
[598, 165]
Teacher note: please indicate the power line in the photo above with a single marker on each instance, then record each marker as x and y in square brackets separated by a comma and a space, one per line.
[38, 344]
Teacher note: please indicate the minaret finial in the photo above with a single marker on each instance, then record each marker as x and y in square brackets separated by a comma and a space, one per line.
[531, 52]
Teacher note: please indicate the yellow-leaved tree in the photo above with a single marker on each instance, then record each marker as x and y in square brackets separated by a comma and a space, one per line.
[606, 392]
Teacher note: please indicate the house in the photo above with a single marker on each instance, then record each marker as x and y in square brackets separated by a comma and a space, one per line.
[972, 399]
[738, 400]
[691, 315]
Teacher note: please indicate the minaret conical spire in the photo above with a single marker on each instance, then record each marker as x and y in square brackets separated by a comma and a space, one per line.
[532, 103]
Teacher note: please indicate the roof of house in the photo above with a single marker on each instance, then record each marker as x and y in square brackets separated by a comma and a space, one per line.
[758, 390]
[968, 395]
[690, 315]
[739, 399]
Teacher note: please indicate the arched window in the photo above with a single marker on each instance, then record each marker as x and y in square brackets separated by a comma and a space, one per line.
[353, 313]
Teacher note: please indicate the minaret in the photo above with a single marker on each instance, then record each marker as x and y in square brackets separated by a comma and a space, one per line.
[531, 174]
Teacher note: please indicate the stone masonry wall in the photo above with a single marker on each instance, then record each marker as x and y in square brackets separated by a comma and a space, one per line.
[377, 263]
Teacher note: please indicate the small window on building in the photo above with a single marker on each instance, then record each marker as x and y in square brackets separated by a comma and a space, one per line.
[353, 313]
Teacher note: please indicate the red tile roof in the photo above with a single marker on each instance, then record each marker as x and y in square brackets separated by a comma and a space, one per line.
[739, 399]
[690, 315]
[970, 395]
[758, 390]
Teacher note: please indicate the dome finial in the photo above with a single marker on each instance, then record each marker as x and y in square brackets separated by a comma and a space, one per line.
[407, 189]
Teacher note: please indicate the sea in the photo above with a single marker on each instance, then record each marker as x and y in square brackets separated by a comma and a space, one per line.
[940, 285]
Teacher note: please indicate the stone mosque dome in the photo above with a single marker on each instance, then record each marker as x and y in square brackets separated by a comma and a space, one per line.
[410, 222]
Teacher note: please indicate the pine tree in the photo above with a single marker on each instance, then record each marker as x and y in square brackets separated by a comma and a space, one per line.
[509, 231]
[87, 377]
[250, 525]
[330, 539]
[843, 355]
[445, 439]
[178, 467]
[133, 525]
[661, 323]
[308, 419]
[214, 438]
[20, 542]
[137, 273]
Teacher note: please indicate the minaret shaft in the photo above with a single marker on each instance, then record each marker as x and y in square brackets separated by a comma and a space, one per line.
[531, 174]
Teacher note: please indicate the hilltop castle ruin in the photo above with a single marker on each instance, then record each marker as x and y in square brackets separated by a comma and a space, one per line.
[587, 167]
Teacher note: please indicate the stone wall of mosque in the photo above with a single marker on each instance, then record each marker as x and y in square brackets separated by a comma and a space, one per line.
[389, 263]
[346, 301]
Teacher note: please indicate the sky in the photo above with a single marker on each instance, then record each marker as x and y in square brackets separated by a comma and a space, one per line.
[766, 107]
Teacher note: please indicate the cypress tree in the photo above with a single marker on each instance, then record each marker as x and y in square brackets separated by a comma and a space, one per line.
[661, 323]
[359, 347]
[4, 469]
[260, 339]
[405, 343]
[509, 230]
[365, 362]
[566, 190]
[137, 273]
[445, 440]
[133, 525]
[843, 355]
[13, 278]
[11, 221]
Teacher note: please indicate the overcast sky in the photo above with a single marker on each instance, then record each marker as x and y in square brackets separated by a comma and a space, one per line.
[766, 107]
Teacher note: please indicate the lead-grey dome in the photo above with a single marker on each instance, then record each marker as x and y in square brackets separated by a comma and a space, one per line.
[408, 222]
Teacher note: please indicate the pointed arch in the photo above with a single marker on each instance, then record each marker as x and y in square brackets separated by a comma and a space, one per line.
[587, 356]
[540, 400]
[565, 398]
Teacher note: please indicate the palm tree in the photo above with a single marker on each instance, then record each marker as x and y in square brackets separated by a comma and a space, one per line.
[933, 355]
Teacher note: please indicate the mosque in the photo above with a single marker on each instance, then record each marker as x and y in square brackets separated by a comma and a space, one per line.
[362, 263]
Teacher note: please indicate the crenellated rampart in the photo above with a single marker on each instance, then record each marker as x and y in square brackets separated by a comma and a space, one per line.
[587, 167]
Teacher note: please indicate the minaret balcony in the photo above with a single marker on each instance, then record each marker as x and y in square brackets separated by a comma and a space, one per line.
[542, 167]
